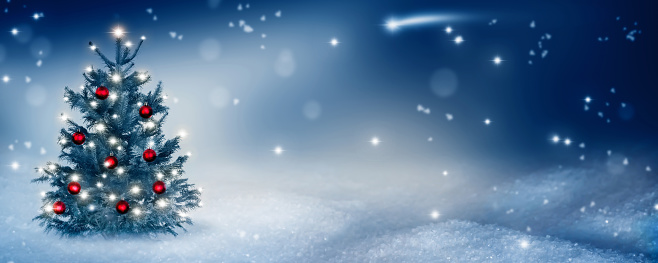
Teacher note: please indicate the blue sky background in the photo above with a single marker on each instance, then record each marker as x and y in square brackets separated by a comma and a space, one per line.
[368, 85]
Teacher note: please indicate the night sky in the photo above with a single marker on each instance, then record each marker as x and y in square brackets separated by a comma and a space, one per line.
[240, 94]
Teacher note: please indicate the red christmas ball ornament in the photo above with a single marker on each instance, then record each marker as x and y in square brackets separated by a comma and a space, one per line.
[159, 187]
[149, 155]
[122, 207]
[59, 207]
[78, 138]
[146, 111]
[102, 93]
[111, 162]
[74, 188]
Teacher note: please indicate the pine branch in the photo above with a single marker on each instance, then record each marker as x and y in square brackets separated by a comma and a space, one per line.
[109, 63]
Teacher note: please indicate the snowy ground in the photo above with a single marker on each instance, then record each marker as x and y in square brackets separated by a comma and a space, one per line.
[555, 215]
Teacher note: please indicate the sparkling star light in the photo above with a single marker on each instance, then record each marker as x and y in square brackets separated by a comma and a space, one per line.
[524, 244]
[448, 30]
[435, 215]
[334, 42]
[458, 40]
[392, 25]
[375, 141]
[555, 139]
[14, 31]
[6, 79]
[15, 165]
[487, 121]
[567, 141]
[497, 60]
[278, 150]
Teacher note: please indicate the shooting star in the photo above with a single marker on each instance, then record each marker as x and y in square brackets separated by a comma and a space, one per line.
[394, 24]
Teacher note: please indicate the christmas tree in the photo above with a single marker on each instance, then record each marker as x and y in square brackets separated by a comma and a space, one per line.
[120, 175]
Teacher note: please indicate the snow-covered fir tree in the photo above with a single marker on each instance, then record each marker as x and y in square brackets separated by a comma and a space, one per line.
[119, 174]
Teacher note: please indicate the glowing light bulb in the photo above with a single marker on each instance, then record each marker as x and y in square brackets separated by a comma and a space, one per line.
[448, 30]
[159, 175]
[142, 76]
[129, 44]
[137, 211]
[120, 171]
[92, 207]
[84, 195]
[161, 203]
[5, 79]
[93, 104]
[88, 69]
[92, 47]
[99, 184]
[149, 125]
[143, 37]
[52, 167]
[116, 78]
[63, 117]
[135, 189]
[182, 133]
[100, 127]
[113, 141]
[113, 97]
[118, 32]
[75, 177]
[112, 197]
